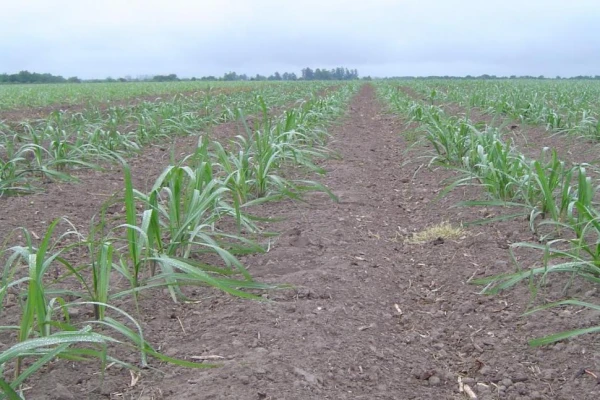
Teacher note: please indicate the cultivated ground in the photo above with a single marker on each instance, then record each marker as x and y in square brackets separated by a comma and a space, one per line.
[370, 316]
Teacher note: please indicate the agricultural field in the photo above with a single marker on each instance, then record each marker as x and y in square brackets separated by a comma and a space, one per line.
[414, 239]
[15, 97]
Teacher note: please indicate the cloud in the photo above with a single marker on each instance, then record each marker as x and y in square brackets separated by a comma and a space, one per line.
[379, 37]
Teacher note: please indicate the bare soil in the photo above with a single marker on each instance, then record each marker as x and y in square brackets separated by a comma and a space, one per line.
[370, 316]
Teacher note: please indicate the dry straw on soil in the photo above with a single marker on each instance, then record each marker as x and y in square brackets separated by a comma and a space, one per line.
[441, 231]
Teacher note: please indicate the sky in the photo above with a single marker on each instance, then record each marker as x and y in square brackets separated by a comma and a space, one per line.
[117, 38]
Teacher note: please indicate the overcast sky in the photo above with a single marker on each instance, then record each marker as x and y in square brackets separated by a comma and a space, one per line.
[101, 38]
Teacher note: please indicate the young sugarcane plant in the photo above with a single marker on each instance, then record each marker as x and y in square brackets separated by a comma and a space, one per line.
[179, 223]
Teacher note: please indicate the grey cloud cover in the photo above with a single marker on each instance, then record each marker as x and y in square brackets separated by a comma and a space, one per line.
[95, 39]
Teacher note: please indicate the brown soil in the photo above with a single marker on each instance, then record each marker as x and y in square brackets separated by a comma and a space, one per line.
[531, 140]
[371, 316]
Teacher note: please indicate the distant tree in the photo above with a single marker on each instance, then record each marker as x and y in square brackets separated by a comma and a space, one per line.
[31, 77]
[165, 78]
[288, 76]
[308, 74]
[339, 73]
[230, 76]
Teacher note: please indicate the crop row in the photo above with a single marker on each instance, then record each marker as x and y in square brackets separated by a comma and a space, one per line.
[168, 238]
[92, 94]
[561, 197]
[560, 106]
[50, 147]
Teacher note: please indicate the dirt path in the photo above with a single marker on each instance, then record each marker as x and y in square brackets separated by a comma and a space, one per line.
[371, 317]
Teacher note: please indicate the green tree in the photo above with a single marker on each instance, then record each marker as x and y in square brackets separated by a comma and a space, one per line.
[308, 74]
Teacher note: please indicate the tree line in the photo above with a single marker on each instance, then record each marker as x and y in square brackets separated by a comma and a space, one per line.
[308, 74]
[34, 77]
